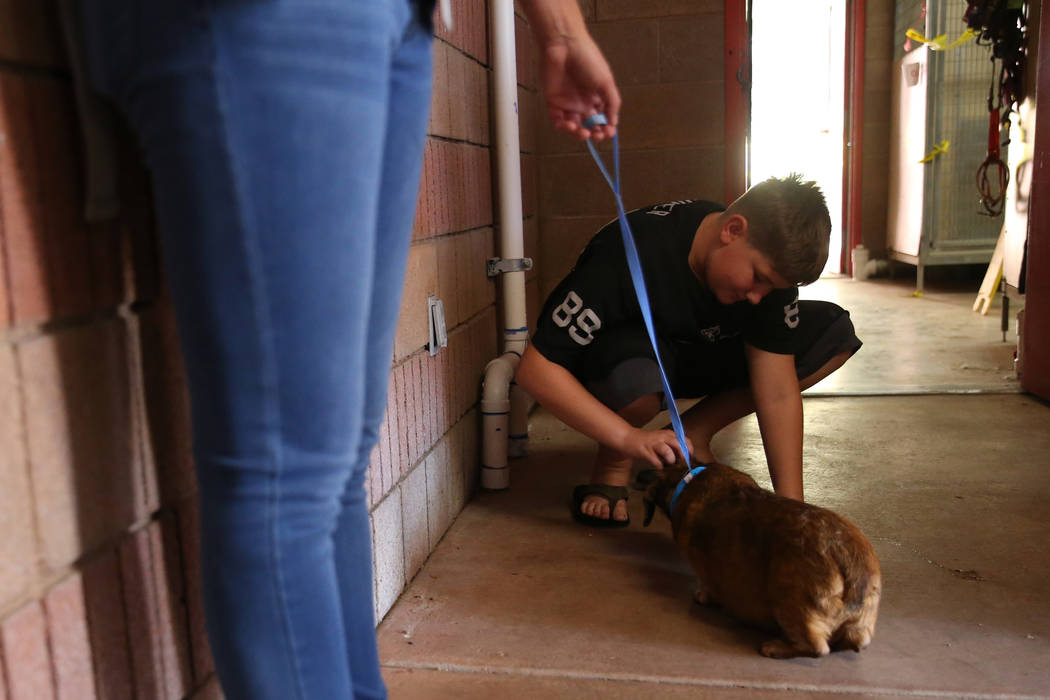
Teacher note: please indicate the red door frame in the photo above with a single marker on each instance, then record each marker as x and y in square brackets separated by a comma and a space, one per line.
[853, 136]
[737, 114]
[1035, 335]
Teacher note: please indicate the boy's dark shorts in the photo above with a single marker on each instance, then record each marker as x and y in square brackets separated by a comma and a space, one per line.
[620, 367]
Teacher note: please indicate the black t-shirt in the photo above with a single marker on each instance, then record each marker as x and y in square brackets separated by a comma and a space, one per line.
[598, 295]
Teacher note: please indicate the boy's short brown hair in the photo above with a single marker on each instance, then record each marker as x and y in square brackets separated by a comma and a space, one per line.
[788, 222]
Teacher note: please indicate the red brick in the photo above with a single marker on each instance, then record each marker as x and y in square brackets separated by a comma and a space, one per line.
[435, 199]
[5, 316]
[525, 55]
[476, 186]
[413, 394]
[56, 267]
[408, 416]
[456, 359]
[188, 514]
[377, 458]
[423, 410]
[456, 346]
[19, 187]
[84, 457]
[439, 98]
[155, 619]
[457, 95]
[169, 571]
[444, 391]
[103, 603]
[23, 637]
[435, 183]
[435, 397]
[422, 394]
[478, 88]
[164, 409]
[477, 42]
[17, 543]
[393, 463]
[486, 191]
[429, 397]
[459, 180]
[444, 186]
[403, 424]
[453, 184]
[70, 644]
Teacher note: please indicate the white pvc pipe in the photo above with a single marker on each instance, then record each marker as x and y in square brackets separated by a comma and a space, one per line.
[499, 412]
[495, 421]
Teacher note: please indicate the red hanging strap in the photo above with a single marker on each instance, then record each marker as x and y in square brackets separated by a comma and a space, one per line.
[992, 175]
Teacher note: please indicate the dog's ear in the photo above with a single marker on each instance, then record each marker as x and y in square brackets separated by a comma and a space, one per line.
[650, 510]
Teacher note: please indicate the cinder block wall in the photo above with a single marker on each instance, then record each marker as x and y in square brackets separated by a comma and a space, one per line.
[99, 565]
[426, 464]
[667, 56]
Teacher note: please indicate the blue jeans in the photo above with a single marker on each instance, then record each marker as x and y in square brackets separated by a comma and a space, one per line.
[285, 142]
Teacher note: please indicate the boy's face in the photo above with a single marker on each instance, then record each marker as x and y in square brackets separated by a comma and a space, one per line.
[735, 271]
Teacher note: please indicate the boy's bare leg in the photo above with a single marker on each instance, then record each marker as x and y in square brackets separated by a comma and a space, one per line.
[612, 467]
[711, 414]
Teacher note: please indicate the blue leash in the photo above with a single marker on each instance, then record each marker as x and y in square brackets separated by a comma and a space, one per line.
[635, 267]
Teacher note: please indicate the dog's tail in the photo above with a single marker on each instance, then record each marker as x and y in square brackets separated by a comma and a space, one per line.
[861, 593]
[859, 628]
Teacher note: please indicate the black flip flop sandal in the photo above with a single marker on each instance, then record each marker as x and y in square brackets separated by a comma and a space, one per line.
[612, 494]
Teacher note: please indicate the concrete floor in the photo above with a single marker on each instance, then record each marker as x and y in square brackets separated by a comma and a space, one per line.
[951, 488]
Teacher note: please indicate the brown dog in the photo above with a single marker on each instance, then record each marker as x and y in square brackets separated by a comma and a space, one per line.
[773, 561]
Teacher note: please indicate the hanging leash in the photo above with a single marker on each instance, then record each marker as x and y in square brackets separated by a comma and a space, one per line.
[992, 175]
[635, 266]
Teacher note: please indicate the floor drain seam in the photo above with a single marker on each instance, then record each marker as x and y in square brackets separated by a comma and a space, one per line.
[706, 683]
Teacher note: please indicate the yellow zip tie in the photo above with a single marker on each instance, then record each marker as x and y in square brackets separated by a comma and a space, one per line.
[963, 38]
[940, 43]
[940, 148]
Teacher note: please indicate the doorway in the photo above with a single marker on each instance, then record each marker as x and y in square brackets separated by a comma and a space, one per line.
[797, 99]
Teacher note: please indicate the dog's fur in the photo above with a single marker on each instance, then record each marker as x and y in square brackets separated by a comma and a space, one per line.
[773, 561]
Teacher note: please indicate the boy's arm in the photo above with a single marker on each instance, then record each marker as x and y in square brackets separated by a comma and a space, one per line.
[778, 404]
[561, 393]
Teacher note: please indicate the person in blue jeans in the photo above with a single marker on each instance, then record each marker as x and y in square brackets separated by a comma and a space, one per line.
[285, 139]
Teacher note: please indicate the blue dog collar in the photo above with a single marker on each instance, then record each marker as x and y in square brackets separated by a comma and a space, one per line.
[681, 486]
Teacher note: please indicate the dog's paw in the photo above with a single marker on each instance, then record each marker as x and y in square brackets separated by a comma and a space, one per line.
[779, 649]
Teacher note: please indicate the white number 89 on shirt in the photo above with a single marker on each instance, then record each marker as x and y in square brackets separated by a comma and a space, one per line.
[581, 322]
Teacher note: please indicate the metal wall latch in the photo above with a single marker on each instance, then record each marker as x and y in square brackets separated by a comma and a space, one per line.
[496, 266]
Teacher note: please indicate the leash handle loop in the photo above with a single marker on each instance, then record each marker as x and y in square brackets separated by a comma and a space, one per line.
[634, 264]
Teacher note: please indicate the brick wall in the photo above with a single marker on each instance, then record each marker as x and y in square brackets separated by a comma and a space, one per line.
[667, 56]
[426, 464]
[98, 544]
[99, 563]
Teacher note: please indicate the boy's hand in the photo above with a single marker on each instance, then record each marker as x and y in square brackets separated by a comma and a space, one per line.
[658, 447]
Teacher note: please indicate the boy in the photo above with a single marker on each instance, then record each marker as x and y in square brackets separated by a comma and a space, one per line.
[722, 288]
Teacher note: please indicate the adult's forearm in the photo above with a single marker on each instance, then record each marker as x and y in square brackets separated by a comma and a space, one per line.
[554, 21]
